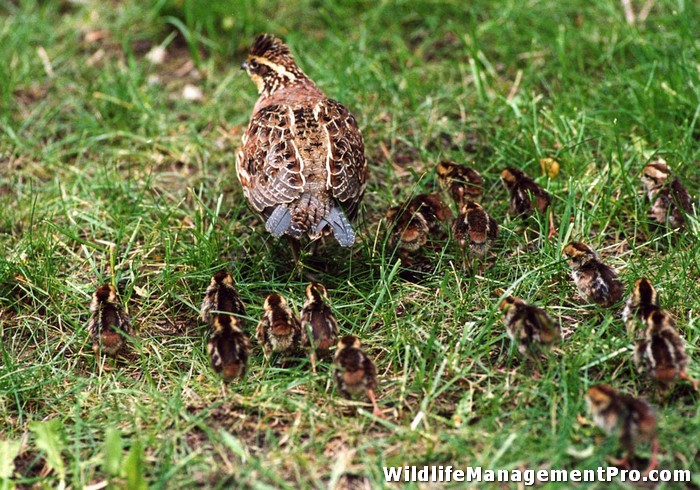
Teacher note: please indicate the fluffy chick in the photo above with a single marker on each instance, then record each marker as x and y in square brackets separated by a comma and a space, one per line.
[670, 200]
[662, 353]
[109, 323]
[279, 329]
[355, 372]
[632, 417]
[529, 326]
[522, 191]
[461, 182]
[475, 227]
[414, 222]
[228, 347]
[228, 344]
[596, 281]
[640, 304]
[221, 296]
[318, 320]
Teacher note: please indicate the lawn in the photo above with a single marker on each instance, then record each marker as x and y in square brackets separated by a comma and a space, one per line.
[117, 164]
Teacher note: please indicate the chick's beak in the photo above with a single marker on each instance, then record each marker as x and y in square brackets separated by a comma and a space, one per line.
[244, 66]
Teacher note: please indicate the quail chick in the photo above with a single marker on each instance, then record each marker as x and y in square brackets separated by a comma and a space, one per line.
[355, 372]
[228, 344]
[413, 223]
[302, 161]
[641, 303]
[596, 281]
[109, 323]
[318, 319]
[528, 325]
[279, 329]
[522, 192]
[662, 353]
[475, 227]
[222, 297]
[632, 417]
[670, 200]
[462, 182]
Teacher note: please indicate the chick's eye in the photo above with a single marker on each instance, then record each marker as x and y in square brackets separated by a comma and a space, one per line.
[254, 65]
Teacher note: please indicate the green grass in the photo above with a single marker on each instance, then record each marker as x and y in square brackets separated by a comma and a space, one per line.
[107, 173]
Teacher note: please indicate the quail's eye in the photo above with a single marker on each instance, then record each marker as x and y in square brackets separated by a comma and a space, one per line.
[254, 65]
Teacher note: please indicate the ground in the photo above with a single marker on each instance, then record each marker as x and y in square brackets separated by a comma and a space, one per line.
[117, 165]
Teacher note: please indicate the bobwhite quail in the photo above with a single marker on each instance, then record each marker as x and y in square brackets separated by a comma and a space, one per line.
[412, 223]
[640, 304]
[355, 372]
[319, 328]
[302, 160]
[529, 326]
[109, 323]
[461, 181]
[475, 231]
[597, 282]
[522, 192]
[670, 200]
[662, 351]
[279, 329]
[632, 417]
[228, 344]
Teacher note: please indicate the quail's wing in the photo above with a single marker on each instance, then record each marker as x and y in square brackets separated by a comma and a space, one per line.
[268, 163]
[346, 156]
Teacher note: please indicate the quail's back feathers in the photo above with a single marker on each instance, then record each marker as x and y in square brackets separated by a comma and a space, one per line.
[597, 282]
[317, 317]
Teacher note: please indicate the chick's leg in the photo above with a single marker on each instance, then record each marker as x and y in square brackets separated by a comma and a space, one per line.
[375, 407]
[552, 228]
[654, 461]
[684, 376]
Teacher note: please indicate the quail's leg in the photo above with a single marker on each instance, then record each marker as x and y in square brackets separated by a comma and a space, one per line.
[375, 409]
[684, 376]
[623, 463]
[312, 357]
[654, 461]
[552, 228]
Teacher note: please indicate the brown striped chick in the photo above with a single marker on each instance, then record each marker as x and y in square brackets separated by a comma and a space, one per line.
[279, 329]
[529, 326]
[318, 320]
[221, 296]
[475, 227]
[670, 200]
[109, 323]
[462, 182]
[596, 281]
[632, 417]
[411, 224]
[355, 372]
[641, 303]
[662, 352]
[523, 190]
[228, 344]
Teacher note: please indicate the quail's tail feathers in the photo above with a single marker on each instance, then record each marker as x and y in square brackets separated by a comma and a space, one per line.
[282, 221]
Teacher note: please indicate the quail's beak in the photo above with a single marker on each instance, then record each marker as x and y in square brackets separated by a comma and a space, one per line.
[244, 66]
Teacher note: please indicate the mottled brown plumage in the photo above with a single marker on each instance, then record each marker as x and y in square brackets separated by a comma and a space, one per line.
[355, 372]
[596, 281]
[633, 418]
[412, 223]
[318, 320]
[529, 326]
[279, 329]
[662, 352]
[228, 345]
[670, 201]
[523, 191]
[109, 323]
[640, 304]
[461, 182]
[302, 162]
[474, 230]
